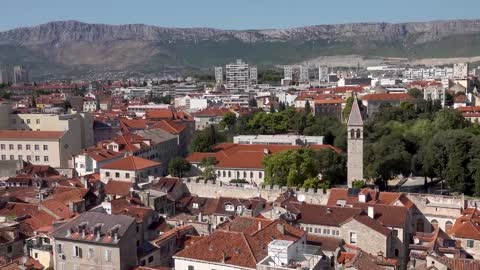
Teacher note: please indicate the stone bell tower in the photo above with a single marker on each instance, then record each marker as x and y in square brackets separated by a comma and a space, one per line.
[355, 144]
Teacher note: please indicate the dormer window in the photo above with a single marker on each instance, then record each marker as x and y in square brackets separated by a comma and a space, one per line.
[239, 208]
[229, 207]
[195, 205]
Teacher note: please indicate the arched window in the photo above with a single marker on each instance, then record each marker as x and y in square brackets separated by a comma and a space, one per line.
[420, 225]
[448, 226]
[352, 133]
[434, 223]
[396, 252]
[359, 133]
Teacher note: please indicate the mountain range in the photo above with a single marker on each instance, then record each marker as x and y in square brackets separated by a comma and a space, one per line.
[64, 48]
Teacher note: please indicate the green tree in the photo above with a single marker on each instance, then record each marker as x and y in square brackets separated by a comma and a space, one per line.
[359, 184]
[228, 122]
[386, 158]
[208, 165]
[308, 108]
[178, 167]
[205, 140]
[416, 93]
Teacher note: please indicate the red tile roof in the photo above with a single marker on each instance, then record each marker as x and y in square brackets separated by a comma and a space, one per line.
[212, 112]
[467, 225]
[240, 248]
[231, 155]
[130, 163]
[118, 188]
[30, 135]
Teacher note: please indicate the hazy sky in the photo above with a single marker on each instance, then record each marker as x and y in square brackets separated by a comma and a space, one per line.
[232, 14]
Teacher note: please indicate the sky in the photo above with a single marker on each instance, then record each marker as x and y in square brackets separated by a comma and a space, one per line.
[232, 14]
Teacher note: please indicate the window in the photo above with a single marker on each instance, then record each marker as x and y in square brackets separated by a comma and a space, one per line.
[45, 147]
[27, 146]
[229, 174]
[223, 173]
[150, 259]
[45, 158]
[59, 248]
[190, 267]
[35, 255]
[229, 207]
[10, 146]
[448, 226]
[12, 157]
[143, 263]
[470, 243]
[19, 147]
[395, 232]
[2, 146]
[20, 157]
[127, 175]
[9, 249]
[77, 251]
[195, 205]
[37, 147]
[4, 157]
[28, 121]
[90, 253]
[396, 252]
[108, 255]
[244, 174]
[251, 174]
[22, 121]
[434, 223]
[239, 208]
[37, 158]
[352, 133]
[358, 133]
[38, 121]
[260, 175]
[29, 158]
[353, 238]
[117, 175]
[107, 174]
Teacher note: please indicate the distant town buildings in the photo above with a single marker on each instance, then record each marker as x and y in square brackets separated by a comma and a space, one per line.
[239, 76]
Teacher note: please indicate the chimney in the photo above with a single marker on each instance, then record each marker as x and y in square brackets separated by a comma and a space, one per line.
[84, 181]
[223, 256]
[371, 212]
[259, 225]
[281, 228]
[200, 218]
[70, 207]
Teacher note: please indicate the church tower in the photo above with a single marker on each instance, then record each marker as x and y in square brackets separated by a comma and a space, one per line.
[355, 144]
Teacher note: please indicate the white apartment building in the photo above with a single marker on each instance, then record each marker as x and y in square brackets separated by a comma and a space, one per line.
[53, 148]
[140, 110]
[460, 70]
[130, 169]
[237, 76]
[90, 105]
[132, 92]
[278, 139]
[219, 75]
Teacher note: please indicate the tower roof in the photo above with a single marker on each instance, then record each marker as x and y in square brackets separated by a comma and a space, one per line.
[355, 118]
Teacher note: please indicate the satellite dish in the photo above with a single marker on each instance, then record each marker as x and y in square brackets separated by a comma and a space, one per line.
[23, 260]
[301, 198]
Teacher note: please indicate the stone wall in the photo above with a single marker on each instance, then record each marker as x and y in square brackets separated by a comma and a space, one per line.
[211, 189]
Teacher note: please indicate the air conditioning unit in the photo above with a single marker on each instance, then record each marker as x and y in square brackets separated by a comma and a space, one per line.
[61, 256]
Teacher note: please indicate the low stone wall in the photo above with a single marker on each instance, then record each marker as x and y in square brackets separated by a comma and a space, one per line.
[211, 189]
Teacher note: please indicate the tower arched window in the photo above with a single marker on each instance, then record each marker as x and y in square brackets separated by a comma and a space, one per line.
[352, 133]
[359, 133]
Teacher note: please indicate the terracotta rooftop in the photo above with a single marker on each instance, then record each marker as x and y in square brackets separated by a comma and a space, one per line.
[212, 112]
[231, 155]
[467, 225]
[30, 135]
[240, 248]
[130, 163]
[118, 188]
